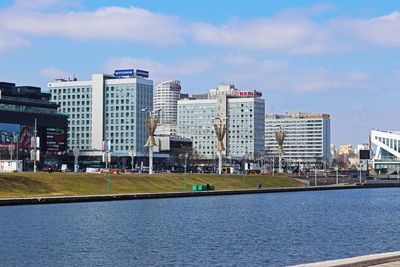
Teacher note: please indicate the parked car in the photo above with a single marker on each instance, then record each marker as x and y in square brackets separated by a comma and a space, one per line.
[48, 169]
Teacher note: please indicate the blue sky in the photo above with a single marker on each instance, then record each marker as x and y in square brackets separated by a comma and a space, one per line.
[335, 57]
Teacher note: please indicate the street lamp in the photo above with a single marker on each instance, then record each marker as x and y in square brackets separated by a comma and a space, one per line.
[151, 123]
[220, 130]
[76, 152]
[132, 154]
[11, 149]
[185, 169]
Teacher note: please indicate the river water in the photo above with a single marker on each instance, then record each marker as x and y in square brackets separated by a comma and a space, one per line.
[242, 230]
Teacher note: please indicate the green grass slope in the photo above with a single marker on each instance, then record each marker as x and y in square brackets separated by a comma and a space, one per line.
[50, 184]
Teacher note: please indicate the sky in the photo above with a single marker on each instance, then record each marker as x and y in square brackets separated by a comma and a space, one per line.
[334, 57]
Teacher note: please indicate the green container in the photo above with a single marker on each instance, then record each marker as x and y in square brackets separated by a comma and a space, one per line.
[194, 187]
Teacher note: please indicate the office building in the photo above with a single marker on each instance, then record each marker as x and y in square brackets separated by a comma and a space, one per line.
[307, 140]
[242, 111]
[107, 107]
[386, 147]
[20, 107]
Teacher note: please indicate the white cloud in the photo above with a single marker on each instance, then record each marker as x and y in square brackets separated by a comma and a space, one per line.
[292, 31]
[53, 73]
[161, 71]
[280, 75]
[289, 32]
[238, 59]
[114, 23]
[383, 31]
[9, 40]
[292, 36]
[40, 4]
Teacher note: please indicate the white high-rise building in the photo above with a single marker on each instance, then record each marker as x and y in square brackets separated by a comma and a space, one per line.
[165, 99]
[243, 111]
[307, 139]
[107, 107]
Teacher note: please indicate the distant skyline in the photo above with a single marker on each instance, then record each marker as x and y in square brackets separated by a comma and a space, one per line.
[335, 57]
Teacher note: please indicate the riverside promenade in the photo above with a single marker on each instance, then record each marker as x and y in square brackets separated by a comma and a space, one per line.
[134, 196]
[389, 259]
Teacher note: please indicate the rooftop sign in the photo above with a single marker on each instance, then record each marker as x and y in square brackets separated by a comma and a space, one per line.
[142, 73]
[124, 73]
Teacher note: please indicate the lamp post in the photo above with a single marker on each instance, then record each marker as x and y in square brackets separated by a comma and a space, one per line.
[185, 170]
[337, 174]
[11, 149]
[273, 164]
[106, 148]
[315, 175]
[35, 144]
[220, 130]
[132, 160]
[76, 152]
[151, 123]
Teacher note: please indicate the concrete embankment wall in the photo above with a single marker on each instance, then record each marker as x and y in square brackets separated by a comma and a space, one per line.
[110, 197]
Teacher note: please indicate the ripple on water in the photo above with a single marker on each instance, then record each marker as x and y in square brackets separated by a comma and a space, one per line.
[261, 229]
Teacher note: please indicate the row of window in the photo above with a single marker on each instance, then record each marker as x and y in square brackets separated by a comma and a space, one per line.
[70, 97]
[70, 90]
[29, 109]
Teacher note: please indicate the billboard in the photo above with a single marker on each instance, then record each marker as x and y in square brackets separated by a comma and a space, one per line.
[124, 73]
[364, 154]
[55, 139]
[17, 134]
[142, 73]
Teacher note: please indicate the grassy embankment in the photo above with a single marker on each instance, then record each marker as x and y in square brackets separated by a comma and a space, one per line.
[50, 184]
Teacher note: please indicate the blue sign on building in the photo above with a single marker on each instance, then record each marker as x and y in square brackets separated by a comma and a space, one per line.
[124, 73]
[142, 73]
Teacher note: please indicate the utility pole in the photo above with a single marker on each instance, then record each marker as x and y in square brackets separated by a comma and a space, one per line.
[315, 176]
[273, 165]
[299, 167]
[337, 175]
[34, 150]
[132, 154]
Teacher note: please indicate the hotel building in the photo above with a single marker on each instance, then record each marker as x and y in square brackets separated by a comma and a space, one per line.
[242, 111]
[107, 107]
[307, 139]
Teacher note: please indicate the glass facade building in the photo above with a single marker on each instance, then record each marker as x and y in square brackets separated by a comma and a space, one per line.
[105, 108]
[20, 107]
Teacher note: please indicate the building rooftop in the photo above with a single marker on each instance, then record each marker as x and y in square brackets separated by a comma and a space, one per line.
[297, 115]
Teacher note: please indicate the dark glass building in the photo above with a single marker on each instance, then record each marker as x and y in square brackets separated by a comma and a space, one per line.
[20, 107]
